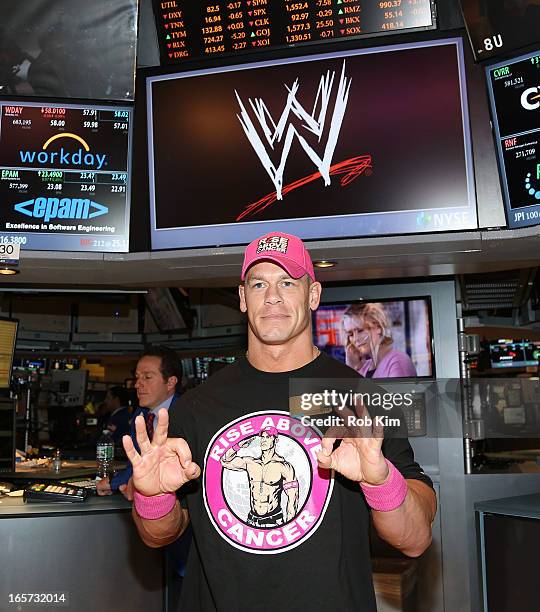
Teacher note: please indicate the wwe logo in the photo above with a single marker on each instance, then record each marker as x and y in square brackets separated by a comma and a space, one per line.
[314, 122]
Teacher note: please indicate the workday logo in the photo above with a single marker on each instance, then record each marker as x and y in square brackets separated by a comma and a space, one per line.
[81, 157]
[64, 208]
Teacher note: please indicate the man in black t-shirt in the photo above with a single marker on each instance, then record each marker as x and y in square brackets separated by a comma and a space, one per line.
[218, 472]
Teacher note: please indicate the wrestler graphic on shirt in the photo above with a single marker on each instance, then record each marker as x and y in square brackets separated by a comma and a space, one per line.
[269, 475]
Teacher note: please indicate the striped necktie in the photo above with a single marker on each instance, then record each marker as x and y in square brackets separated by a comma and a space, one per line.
[150, 425]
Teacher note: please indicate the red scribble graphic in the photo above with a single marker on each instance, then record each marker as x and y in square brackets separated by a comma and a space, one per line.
[350, 168]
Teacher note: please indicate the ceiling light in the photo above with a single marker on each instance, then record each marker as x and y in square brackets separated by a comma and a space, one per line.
[324, 263]
[8, 270]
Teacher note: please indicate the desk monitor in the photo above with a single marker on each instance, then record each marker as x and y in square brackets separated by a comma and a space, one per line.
[8, 338]
[7, 435]
[508, 353]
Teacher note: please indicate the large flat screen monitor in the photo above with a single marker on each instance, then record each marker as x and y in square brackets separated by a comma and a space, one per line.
[190, 30]
[68, 48]
[8, 338]
[383, 339]
[514, 93]
[64, 176]
[358, 143]
[498, 27]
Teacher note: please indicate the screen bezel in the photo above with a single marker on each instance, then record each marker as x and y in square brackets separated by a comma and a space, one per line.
[230, 234]
[426, 298]
[50, 241]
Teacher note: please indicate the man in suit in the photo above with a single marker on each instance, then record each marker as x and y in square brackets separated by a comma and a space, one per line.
[157, 374]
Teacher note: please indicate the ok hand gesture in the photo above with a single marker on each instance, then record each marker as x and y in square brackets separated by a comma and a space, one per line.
[163, 465]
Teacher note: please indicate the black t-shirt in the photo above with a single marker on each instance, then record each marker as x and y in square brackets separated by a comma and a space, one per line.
[279, 534]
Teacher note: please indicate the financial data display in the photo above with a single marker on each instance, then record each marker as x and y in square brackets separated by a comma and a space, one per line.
[514, 88]
[64, 177]
[514, 354]
[193, 30]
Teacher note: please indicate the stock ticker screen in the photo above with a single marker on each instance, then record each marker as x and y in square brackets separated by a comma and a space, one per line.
[190, 30]
[64, 176]
[514, 88]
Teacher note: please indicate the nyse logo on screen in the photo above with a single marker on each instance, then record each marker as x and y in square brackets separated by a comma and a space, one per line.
[61, 208]
[271, 136]
[451, 219]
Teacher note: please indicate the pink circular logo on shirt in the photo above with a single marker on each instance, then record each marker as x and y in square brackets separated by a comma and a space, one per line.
[263, 489]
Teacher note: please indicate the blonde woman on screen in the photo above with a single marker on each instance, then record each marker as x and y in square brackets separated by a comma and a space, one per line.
[369, 344]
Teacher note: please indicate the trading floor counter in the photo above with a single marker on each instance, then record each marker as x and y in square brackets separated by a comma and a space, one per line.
[86, 556]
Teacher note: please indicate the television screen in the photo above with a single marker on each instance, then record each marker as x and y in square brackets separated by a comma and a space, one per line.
[500, 26]
[64, 176]
[514, 93]
[68, 48]
[206, 366]
[508, 353]
[8, 338]
[355, 143]
[384, 339]
[164, 309]
[194, 30]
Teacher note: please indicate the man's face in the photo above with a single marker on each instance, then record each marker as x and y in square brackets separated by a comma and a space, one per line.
[361, 334]
[152, 389]
[278, 306]
[267, 441]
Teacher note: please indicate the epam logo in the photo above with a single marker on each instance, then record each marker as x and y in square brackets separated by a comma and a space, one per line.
[273, 139]
[63, 157]
[65, 208]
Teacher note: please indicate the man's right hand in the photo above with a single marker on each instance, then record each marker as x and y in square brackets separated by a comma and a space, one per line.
[163, 465]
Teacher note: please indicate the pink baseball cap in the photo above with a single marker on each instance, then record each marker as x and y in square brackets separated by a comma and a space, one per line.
[271, 431]
[285, 250]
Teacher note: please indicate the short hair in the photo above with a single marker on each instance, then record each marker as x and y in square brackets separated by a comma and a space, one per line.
[374, 313]
[170, 363]
[121, 394]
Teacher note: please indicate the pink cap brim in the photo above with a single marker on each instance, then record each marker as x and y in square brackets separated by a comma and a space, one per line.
[291, 267]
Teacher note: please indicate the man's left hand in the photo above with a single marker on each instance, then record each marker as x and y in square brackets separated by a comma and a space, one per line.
[359, 457]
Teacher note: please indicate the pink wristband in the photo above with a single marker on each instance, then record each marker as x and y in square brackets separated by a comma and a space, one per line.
[154, 507]
[387, 496]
